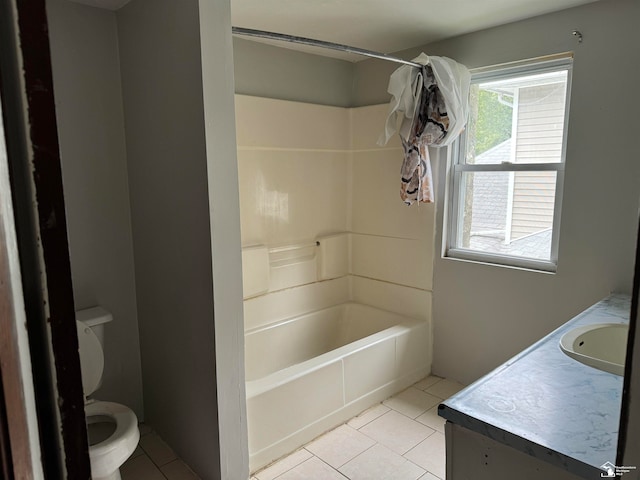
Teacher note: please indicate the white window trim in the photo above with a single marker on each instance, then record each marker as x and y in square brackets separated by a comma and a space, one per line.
[453, 208]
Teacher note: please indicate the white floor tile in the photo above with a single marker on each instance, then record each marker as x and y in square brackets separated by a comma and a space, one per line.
[312, 469]
[406, 424]
[368, 416]
[157, 450]
[140, 468]
[412, 402]
[431, 419]
[427, 382]
[281, 466]
[340, 445]
[178, 470]
[429, 476]
[380, 463]
[397, 432]
[444, 388]
[430, 454]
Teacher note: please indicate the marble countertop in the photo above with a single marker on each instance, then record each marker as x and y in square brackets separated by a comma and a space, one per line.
[548, 405]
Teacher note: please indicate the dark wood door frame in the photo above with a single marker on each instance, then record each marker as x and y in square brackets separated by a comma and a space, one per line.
[6, 457]
[18, 451]
[26, 90]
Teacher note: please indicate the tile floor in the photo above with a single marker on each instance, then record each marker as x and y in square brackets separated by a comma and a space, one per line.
[154, 460]
[401, 438]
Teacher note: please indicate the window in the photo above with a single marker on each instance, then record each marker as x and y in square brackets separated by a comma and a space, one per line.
[508, 166]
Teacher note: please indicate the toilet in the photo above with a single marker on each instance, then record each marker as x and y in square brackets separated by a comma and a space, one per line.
[112, 428]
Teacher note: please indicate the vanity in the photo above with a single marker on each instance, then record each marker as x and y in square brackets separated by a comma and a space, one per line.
[548, 412]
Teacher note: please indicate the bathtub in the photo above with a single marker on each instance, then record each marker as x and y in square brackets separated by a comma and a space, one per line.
[310, 373]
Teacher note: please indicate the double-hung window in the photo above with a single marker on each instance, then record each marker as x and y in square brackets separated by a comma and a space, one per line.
[508, 166]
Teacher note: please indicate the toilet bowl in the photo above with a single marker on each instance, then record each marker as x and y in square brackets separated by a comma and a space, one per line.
[112, 428]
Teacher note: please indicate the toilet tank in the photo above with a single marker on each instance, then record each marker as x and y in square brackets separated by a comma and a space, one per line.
[95, 318]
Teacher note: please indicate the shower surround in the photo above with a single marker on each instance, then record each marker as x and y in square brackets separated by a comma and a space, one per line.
[337, 270]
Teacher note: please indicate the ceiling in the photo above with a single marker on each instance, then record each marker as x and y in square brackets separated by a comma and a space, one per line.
[380, 25]
[384, 26]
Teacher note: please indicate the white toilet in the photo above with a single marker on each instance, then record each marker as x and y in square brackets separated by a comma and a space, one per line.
[113, 428]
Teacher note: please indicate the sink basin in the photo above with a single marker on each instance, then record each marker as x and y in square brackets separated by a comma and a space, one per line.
[602, 346]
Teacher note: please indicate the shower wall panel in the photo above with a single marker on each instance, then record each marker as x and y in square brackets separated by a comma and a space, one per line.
[293, 162]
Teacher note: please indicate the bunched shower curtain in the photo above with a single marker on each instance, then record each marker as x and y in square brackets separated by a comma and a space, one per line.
[431, 105]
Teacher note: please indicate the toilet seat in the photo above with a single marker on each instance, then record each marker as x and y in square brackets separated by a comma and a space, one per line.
[108, 455]
[111, 453]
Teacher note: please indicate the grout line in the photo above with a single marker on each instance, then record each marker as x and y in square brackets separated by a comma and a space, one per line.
[295, 466]
[332, 467]
[362, 453]
[281, 459]
[380, 403]
[421, 468]
[391, 409]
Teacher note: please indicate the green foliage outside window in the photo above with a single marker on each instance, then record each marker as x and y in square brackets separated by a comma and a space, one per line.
[493, 122]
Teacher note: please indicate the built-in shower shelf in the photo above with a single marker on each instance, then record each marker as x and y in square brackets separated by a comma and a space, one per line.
[271, 268]
[293, 254]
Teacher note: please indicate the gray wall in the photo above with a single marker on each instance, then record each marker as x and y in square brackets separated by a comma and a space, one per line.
[485, 314]
[86, 74]
[274, 72]
[165, 132]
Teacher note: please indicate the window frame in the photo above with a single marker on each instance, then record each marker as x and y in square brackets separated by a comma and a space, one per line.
[458, 166]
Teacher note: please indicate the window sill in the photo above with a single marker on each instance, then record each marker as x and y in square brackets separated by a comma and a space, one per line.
[503, 261]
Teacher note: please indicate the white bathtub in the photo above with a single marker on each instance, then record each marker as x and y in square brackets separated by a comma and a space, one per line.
[308, 374]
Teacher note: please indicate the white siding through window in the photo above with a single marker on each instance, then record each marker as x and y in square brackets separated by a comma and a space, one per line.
[538, 140]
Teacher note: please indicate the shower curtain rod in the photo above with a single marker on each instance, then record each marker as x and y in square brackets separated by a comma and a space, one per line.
[319, 43]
